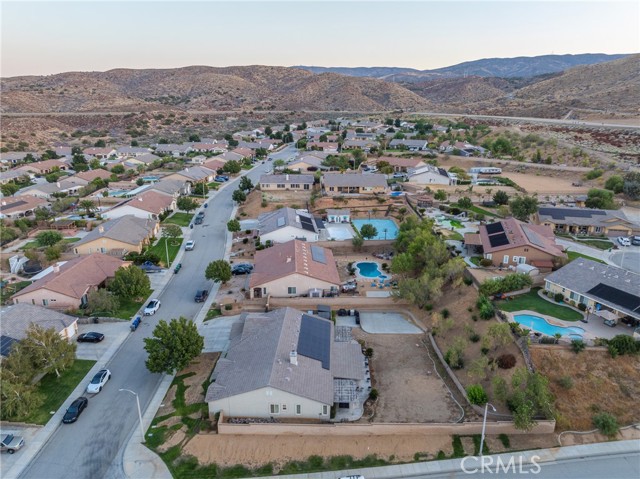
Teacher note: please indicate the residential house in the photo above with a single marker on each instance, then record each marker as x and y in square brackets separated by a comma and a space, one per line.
[354, 135]
[286, 224]
[132, 151]
[336, 184]
[208, 148]
[326, 146]
[149, 204]
[307, 163]
[214, 164]
[366, 125]
[18, 318]
[119, 236]
[364, 145]
[399, 165]
[193, 174]
[66, 151]
[411, 145]
[173, 150]
[68, 285]
[11, 207]
[91, 175]
[294, 268]
[69, 185]
[605, 290]
[43, 167]
[13, 175]
[462, 148]
[510, 242]
[100, 153]
[342, 215]
[256, 145]
[173, 188]
[431, 175]
[286, 182]
[586, 221]
[232, 155]
[286, 364]
[12, 158]
[145, 160]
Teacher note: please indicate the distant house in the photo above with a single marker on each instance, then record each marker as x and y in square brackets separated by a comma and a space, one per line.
[286, 182]
[364, 145]
[586, 221]
[338, 215]
[510, 242]
[135, 151]
[411, 145]
[214, 164]
[69, 185]
[462, 148]
[67, 286]
[21, 206]
[18, 318]
[12, 158]
[256, 145]
[193, 174]
[145, 159]
[91, 175]
[13, 175]
[286, 224]
[431, 175]
[149, 204]
[173, 149]
[119, 236]
[327, 146]
[400, 165]
[100, 153]
[286, 364]
[294, 268]
[307, 162]
[43, 167]
[335, 184]
[174, 188]
[232, 155]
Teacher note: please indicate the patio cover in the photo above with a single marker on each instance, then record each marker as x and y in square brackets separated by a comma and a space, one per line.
[472, 239]
[606, 314]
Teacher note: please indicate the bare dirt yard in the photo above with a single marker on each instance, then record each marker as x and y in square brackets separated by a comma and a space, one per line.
[588, 383]
[548, 185]
[252, 208]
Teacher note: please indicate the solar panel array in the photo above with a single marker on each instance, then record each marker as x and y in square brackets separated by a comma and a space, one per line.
[307, 223]
[499, 239]
[315, 339]
[17, 203]
[563, 213]
[616, 296]
[494, 228]
[6, 342]
[317, 253]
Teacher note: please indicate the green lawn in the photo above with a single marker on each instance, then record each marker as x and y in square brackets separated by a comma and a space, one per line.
[456, 224]
[600, 244]
[213, 185]
[533, 302]
[127, 308]
[57, 389]
[213, 313]
[173, 246]
[180, 219]
[476, 260]
[573, 255]
[481, 211]
[454, 235]
[64, 242]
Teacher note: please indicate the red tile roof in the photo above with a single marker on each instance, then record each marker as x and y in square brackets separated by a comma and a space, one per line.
[523, 234]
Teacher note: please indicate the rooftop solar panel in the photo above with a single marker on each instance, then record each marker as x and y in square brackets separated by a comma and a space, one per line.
[616, 296]
[494, 228]
[16, 204]
[317, 253]
[315, 339]
[6, 343]
[499, 239]
[564, 213]
[306, 223]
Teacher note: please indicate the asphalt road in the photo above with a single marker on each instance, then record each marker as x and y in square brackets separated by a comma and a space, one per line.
[87, 448]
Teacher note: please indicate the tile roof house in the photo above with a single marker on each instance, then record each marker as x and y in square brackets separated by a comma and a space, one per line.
[214, 164]
[305, 162]
[174, 188]
[510, 242]
[210, 147]
[245, 152]
[364, 145]
[399, 164]
[232, 155]
[126, 151]
[68, 285]
[15, 174]
[294, 268]
[173, 149]
[119, 236]
[335, 184]
[145, 159]
[411, 145]
[100, 153]
[16, 319]
[193, 174]
[91, 175]
[286, 182]
[69, 185]
[11, 207]
[430, 175]
[586, 221]
[286, 224]
[43, 167]
[327, 146]
[149, 204]
[285, 363]
[600, 287]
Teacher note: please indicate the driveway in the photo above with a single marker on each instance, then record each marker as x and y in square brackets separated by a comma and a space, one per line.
[387, 323]
[628, 258]
[216, 333]
[114, 335]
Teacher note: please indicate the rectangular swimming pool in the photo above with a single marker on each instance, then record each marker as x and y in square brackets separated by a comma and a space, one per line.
[387, 229]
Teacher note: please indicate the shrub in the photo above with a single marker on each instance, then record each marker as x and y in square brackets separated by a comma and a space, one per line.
[474, 337]
[228, 307]
[445, 313]
[506, 361]
[624, 344]
[454, 358]
[566, 382]
[577, 345]
[484, 350]
[373, 395]
[428, 307]
[582, 307]
[474, 317]
[369, 352]
[467, 281]
[486, 262]
[558, 297]
[477, 395]
[511, 282]
[606, 423]
[504, 439]
[485, 307]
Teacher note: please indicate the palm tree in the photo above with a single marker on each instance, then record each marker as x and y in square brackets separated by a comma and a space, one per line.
[87, 205]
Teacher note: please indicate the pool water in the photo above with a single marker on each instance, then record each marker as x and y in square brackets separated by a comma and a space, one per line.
[387, 229]
[369, 269]
[540, 325]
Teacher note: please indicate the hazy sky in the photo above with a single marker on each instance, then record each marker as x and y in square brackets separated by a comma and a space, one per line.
[51, 37]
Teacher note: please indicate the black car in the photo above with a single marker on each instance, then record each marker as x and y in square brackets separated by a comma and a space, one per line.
[75, 410]
[242, 269]
[91, 337]
[198, 220]
[201, 295]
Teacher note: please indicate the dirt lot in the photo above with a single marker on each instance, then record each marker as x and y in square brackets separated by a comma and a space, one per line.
[403, 374]
[548, 185]
[253, 206]
[600, 384]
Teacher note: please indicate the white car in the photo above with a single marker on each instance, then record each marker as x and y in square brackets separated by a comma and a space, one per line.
[98, 381]
[189, 245]
[152, 307]
[624, 241]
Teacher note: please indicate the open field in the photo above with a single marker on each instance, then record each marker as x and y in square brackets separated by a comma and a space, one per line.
[548, 185]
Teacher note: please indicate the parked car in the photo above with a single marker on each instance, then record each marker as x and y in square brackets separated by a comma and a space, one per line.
[198, 220]
[242, 268]
[200, 214]
[189, 245]
[399, 175]
[98, 381]
[152, 307]
[624, 241]
[11, 443]
[74, 411]
[342, 312]
[201, 295]
[91, 337]
[635, 240]
[149, 267]
[221, 178]
[611, 322]
[629, 321]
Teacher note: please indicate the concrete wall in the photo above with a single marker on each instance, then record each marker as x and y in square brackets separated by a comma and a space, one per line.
[108, 244]
[344, 301]
[56, 300]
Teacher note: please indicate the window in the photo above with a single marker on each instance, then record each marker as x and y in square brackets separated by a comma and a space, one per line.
[274, 408]
[522, 259]
[298, 409]
[280, 186]
[526, 250]
[505, 259]
[291, 290]
[325, 410]
[306, 187]
[598, 229]
[295, 186]
[331, 188]
[45, 302]
[488, 256]
[284, 407]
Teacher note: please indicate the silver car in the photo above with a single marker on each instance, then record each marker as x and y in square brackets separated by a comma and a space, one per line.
[11, 443]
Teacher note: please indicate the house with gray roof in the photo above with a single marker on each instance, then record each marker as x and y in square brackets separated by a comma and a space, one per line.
[126, 151]
[286, 182]
[364, 145]
[605, 290]
[431, 175]
[411, 145]
[286, 224]
[16, 319]
[173, 149]
[336, 184]
[119, 236]
[286, 364]
[586, 221]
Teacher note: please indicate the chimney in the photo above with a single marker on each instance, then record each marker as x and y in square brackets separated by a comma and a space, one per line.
[293, 357]
[56, 268]
[286, 177]
[297, 218]
[101, 229]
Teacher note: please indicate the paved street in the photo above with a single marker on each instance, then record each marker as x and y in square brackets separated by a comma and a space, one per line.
[88, 448]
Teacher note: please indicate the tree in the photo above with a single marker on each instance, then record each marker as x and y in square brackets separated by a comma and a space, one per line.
[200, 189]
[368, 231]
[7, 234]
[53, 253]
[357, 243]
[478, 368]
[218, 271]
[18, 394]
[171, 232]
[79, 163]
[9, 189]
[631, 187]
[440, 195]
[278, 163]
[600, 199]
[195, 138]
[139, 182]
[102, 301]
[465, 203]
[49, 352]
[239, 196]
[48, 238]
[173, 345]
[232, 166]
[245, 184]
[87, 205]
[500, 333]
[501, 198]
[523, 206]
[268, 130]
[187, 204]
[477, 395]
[131, 283]
[100, 144]
[117, 169]
[233, 226]
[615, 183]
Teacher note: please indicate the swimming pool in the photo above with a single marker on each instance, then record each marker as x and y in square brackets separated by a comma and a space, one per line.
[387, 229]
[536, 323]
[369, 269]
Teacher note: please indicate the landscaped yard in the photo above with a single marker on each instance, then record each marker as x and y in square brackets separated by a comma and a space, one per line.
[173, 247]
[180, 219]
[128, 308]
[533, 302]
[573, 255]
[57, 389]
[595, 243]
[64, 242]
